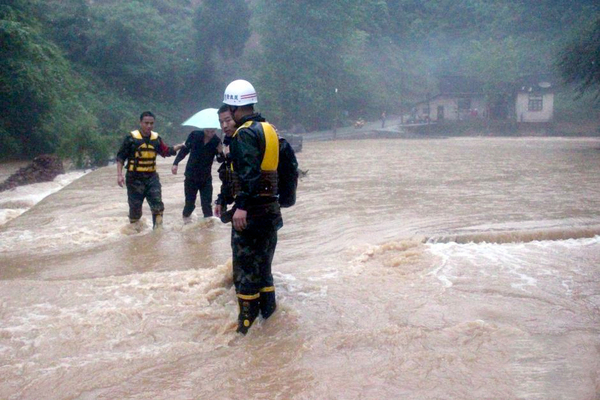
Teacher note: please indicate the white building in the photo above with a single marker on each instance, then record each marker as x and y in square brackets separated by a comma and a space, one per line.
[530, 100]
[448, 107]
[534, 100]
[459, 99]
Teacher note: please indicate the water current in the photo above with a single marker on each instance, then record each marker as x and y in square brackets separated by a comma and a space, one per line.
[410, 269]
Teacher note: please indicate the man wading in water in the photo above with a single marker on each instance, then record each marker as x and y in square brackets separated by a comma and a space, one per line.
[139, 150]
[257, 216]
[203, 146]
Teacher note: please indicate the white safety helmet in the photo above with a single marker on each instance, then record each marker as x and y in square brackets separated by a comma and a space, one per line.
[240, 93]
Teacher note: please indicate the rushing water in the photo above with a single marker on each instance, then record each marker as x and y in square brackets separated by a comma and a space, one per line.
[20, 199]
[410, 269]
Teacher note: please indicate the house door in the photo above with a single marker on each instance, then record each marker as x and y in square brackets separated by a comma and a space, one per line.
[440, 113]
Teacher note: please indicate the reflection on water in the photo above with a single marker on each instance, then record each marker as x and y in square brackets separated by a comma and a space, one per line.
[415, 269]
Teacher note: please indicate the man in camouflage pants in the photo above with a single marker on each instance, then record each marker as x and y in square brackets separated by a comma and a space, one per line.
[256, 214]
[139, 150]
[143, 187]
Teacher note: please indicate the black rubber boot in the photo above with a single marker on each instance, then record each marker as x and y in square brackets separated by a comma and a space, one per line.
[267, 303]
[249, 310]
[157, 221]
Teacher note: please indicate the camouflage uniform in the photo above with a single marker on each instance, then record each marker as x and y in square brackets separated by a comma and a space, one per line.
[254, 247]
[143, 186]
[142, 180]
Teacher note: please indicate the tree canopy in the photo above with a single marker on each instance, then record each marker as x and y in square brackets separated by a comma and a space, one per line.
[580, 60]
[74, 74]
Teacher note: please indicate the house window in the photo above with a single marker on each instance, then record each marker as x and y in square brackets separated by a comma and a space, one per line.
[426, 110]
[536, 102]
[464, 103]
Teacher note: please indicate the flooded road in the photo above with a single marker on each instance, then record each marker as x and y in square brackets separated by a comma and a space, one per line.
[413, 269]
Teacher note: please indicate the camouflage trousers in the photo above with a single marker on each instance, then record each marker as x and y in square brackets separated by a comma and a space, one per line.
[142, 186]
[253, 250]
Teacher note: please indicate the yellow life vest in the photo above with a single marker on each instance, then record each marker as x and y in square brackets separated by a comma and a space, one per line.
[268, 166]
[145, 153]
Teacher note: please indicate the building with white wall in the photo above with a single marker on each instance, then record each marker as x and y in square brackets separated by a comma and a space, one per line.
[530, 100]
[534, 100]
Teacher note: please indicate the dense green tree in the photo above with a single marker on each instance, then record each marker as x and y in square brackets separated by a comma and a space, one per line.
[32, 78]
[580, 60]
[222, 30]
[71, 25]
[223, 27]
[137, 55]
[141, 49]
[74, 74]
[44, 103]
[300, 61]
[125, 46]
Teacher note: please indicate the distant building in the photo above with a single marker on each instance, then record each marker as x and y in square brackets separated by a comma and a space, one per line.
[459, 98]
[534, 99]
[530, 100]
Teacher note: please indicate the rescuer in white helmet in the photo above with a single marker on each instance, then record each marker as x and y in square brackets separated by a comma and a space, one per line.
[254, 153]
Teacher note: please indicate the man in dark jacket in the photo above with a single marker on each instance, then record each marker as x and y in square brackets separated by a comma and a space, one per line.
[257, 217]
[228, 127]
[139, 150]
[203, 146]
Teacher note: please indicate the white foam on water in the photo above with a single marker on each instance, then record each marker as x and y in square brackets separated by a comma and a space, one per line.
[65, 237]
[195, 222]
[96, 231]
[7, 214]
[522, 263]
[523, 231]
[442, 266]
[404, 257]
[16, 201]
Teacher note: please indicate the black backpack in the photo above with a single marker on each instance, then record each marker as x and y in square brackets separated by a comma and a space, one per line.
[287, 174]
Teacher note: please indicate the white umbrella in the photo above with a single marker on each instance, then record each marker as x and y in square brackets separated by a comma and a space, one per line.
[205, 119]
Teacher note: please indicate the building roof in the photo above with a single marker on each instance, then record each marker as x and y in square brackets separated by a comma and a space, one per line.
[535, 83]
[455, 84]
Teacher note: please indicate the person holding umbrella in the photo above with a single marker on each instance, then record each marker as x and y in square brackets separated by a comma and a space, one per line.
[202, 145]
